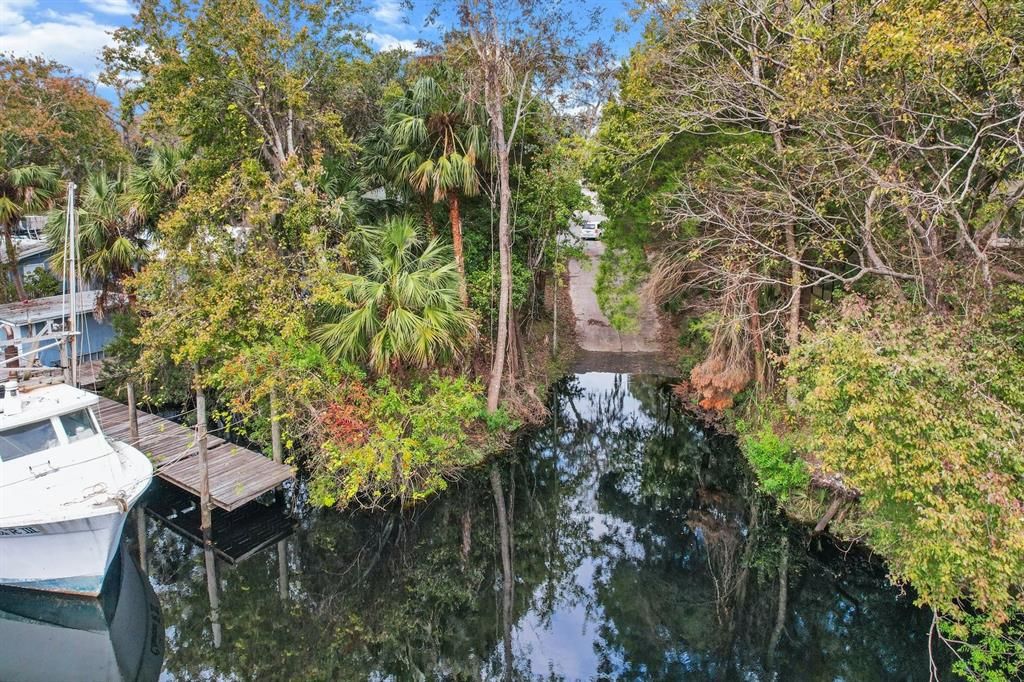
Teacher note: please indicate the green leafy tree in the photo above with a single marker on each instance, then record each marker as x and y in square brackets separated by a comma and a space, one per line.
[403, 310]
[238, 79]
[56, 118]
[154, 186]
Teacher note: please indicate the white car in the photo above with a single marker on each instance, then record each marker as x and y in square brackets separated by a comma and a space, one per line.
[590, 231]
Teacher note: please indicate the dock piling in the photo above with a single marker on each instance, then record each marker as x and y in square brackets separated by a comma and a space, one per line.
[140, 535]
[204, 469]
[133, 415]
[275, 429]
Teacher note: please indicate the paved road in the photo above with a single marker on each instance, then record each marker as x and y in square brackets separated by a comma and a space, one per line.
[593, 332]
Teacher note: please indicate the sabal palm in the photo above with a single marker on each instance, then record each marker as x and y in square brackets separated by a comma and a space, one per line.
[115, 217]
[438, 139]
[155, 183]
[405, 310]
[24, 188]
[109, 245]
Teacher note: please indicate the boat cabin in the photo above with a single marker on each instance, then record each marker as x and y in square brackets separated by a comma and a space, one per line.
[46, 418]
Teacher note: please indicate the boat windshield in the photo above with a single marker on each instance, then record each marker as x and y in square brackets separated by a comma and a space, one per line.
[27, 439]
[78, 425]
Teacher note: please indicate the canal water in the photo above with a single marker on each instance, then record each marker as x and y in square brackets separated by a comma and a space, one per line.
[621, 540]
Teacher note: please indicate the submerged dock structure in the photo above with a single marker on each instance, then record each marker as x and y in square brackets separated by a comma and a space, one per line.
[237, 475]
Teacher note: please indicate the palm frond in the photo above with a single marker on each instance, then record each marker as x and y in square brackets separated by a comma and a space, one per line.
[405, 305]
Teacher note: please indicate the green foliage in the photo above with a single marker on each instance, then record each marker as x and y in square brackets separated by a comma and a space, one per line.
[436, 137]
[110, 245]
[780, 470]
[990, 655]
[415, 437]
[403, 312]
[40, 282]
[168, 385]
[695, 339]
[620, 275]
[240, 79]
[483, 286]
[1008, 319]
[925, 418]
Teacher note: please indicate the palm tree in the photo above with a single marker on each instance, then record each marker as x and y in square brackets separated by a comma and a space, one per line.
[438, 138]
[109, 246]
[116, 217]
[24, 188]
[153, 185]
[405, 311]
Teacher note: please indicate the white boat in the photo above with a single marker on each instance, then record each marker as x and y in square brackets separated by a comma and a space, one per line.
[118, 637]
[65, 490]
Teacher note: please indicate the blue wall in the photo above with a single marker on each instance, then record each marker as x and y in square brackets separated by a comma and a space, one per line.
[94, 338]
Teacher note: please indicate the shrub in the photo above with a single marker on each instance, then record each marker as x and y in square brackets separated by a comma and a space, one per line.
[40, 283]
[925, 417]
[780, 471]
[401, 443]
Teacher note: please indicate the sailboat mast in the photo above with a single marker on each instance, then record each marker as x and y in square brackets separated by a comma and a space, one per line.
[73, 281]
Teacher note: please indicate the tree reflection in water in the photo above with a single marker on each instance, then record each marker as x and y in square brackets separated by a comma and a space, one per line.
[638, 549]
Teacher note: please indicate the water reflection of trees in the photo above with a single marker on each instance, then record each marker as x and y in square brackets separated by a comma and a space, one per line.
[686, 571]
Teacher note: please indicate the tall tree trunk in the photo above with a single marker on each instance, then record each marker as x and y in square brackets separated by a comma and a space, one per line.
[795, 278]
[428, 216]
[456, 218]
[497, 117]
[12, 261]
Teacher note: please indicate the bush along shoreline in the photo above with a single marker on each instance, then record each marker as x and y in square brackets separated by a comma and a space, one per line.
[905, 433]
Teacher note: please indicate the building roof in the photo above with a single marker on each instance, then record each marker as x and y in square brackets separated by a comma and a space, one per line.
[26, 248]
[32, 226]
[47, 308]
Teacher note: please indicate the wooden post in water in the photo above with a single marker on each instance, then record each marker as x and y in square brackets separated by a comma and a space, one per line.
[206, 514]
[282, 569]
[133, 415]
[275, 429]
[277, 450]
[213, 591]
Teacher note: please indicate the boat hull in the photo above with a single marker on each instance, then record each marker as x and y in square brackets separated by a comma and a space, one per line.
[67, 557]
[118, 637]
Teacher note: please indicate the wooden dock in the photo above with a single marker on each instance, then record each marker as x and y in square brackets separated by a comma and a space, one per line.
[236, 535]
[237, 475]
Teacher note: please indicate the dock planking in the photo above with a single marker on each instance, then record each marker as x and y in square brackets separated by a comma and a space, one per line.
[237, 475]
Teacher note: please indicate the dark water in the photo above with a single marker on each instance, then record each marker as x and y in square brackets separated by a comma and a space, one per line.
[636, 546]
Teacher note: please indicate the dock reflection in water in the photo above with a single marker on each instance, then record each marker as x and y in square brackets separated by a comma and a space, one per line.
[117, 636]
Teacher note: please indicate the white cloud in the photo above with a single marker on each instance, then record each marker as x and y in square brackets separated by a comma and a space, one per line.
[12, 13]
[386, 41]
[388, 12]
[75, 40]
[119, 7]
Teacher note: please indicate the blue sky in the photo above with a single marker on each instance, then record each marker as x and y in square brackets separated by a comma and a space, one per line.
[74, 32]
